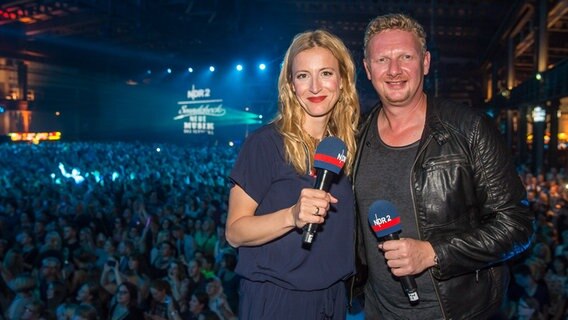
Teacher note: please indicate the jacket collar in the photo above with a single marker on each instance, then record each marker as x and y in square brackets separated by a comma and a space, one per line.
[434, 126]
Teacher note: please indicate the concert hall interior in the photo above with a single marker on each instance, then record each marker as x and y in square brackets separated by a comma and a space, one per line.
[116, 111]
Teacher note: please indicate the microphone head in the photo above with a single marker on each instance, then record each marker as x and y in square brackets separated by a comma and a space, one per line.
[384, 219]
[330, 155]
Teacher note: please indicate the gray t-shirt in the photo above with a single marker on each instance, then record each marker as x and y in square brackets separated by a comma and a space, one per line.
[384, 174]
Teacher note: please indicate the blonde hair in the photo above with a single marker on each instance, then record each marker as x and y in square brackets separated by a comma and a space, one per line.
[394, 21]
[298, 145]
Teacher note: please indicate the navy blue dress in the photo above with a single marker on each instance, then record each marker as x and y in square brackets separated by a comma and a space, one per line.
[281, 279]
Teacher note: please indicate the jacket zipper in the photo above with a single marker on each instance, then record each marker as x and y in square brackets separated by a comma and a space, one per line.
[366, 127]
[416, 219]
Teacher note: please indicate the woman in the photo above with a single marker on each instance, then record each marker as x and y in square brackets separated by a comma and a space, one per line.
[88, 294]
[124, 304]
[273, 197]
[136, 275]
[179, 284]
[218, 300]
[161, 303]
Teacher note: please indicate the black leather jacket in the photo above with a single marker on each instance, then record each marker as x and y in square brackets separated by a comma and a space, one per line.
[469, 204]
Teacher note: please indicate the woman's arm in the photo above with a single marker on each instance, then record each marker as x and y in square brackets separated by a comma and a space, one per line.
[244, 228]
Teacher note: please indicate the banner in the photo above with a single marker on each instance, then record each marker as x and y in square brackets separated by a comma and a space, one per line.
[198, 113]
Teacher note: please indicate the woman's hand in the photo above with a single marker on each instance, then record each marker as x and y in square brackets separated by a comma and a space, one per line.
[312, 207]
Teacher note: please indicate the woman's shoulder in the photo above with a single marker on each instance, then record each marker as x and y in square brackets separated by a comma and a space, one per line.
[264, 135]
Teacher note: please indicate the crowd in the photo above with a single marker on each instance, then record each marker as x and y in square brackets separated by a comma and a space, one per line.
[540, 287]
[115, 231]
[136, 231]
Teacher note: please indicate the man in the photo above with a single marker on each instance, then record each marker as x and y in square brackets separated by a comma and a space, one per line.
[444, 167]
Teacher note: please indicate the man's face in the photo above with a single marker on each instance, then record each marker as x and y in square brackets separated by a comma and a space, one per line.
[396, 67]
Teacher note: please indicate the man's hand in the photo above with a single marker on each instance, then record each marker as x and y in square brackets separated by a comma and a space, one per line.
[408, 256]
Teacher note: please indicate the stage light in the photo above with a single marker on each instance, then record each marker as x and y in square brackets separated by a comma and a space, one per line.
[260, 116]
[239, 67]
[211, 68]
[148, 71]
[231, 144]
[190, 69]
[169, 70]
[2, 109]
[262, 66]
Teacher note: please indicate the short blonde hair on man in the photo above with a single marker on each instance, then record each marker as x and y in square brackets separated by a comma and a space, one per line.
[394, 21]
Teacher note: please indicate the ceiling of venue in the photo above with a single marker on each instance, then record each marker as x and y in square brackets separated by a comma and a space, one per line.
[122, 35]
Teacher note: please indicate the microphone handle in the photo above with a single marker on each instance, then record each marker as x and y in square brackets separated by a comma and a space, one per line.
[408, 283]
[323, 182]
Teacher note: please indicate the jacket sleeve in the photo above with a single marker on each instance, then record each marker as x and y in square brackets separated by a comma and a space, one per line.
[505, 223]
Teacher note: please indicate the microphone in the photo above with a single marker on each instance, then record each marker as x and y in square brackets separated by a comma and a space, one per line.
[328, 162]
[384, 219]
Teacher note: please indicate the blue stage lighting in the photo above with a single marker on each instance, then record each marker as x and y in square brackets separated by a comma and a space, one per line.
[190, 69]
[262, 66]
[148, 71]
[239, 67]
[2, 109]
[169, 70]
[211, 68]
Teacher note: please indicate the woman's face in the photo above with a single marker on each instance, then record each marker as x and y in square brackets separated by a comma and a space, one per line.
[83, 293]
[173, 270]
[194, 305]
[123, 295]
[133, 264]
[158, 295]
[316, 81]
[212, 288]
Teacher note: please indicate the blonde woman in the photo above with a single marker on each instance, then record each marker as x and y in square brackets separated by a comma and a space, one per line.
[273, 198]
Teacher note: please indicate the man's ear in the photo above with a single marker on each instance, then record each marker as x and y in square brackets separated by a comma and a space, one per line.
[367, 69]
